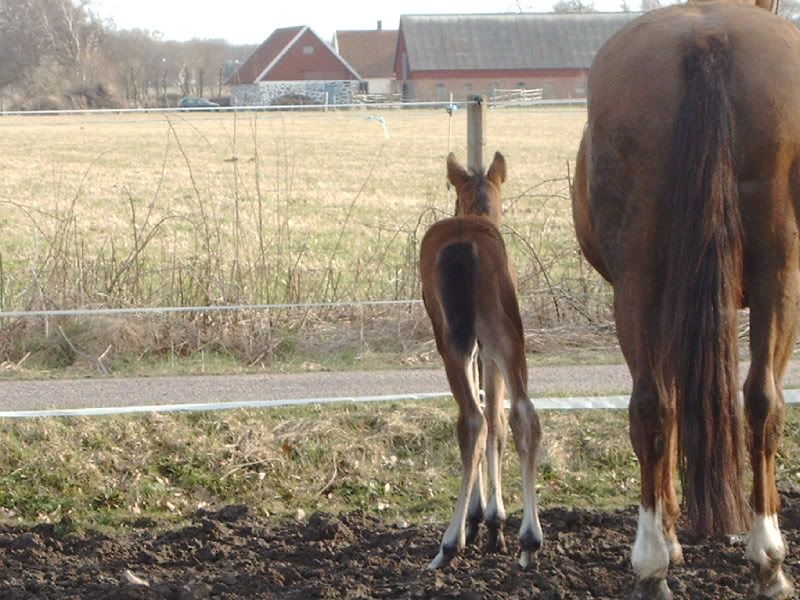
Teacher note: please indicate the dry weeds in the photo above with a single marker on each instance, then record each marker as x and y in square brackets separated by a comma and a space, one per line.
[215, 209]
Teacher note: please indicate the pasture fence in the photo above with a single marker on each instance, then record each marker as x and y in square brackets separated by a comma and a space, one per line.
[517, 96]
[264, 234]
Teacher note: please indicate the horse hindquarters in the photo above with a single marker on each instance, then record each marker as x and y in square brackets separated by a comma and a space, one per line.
[581, 213]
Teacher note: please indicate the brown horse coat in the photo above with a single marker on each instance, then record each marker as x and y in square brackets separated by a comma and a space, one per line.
[686, 199]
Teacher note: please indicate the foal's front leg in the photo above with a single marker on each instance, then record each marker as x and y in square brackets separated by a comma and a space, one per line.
[472, 443]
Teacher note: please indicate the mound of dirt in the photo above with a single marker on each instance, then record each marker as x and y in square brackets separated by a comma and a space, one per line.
[230, 554]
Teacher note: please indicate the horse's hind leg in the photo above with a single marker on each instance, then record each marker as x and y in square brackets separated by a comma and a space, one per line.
[774, 301]
[472, 443]
[495, 446]
[652, 425]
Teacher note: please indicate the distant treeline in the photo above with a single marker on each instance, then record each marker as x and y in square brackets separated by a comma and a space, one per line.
[60, 54]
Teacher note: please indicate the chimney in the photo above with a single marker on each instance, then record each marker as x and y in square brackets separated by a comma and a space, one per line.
[380, 25]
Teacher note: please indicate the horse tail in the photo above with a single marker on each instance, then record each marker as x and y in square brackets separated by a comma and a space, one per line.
[703, 270]
[458, 277]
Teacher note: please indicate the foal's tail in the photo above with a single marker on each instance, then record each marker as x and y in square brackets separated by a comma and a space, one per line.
[458, 277]
[703, 261]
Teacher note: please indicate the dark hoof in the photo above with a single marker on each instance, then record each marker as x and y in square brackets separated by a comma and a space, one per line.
[529, 542]
[652, 589]
[447, 552]
[474, 520]
[496, 541]
[771, 583]
[473, 528]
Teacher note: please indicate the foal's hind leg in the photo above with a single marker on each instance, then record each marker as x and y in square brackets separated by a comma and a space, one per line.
[495, 446]
[477, 501]
[773, 324]
[509, 354]
[472, 443]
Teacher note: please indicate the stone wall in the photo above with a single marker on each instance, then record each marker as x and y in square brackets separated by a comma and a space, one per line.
[264, 93]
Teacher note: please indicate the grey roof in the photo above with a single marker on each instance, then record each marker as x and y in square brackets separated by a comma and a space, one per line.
[507, 41]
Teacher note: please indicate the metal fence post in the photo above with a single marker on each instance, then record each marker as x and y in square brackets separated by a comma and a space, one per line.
[476, 130]
[450, 124]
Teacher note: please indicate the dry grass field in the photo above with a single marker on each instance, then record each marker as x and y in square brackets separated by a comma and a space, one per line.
[197, 209]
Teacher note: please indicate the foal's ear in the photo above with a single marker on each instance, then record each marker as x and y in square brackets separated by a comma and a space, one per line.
[497, 171]
[456, 174]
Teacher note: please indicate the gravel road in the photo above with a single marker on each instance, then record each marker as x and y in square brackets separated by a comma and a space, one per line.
[83, 393]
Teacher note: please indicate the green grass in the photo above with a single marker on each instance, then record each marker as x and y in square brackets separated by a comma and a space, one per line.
[396, 460]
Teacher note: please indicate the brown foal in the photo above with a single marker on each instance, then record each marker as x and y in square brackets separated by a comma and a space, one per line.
[470, 295]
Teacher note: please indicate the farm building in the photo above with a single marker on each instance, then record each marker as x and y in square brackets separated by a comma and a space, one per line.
[371, 53]
[482, 53]
[293, 62]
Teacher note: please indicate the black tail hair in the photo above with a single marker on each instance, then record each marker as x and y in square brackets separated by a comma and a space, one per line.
[702, 291]
[458, 276]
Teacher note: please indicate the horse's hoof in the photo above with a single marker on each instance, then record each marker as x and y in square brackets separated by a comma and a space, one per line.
[771, 584]
[651, 589]
[496, 541]
[530, 542]
[473, 528]
[525, 559]
[676, 554]
[446, 554]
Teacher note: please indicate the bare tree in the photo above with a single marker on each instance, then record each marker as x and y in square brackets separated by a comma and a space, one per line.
[51, 48]
[63, 32]
[650, 5]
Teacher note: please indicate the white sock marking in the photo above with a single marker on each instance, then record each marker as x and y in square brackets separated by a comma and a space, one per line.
[650, 557]
[765, 543]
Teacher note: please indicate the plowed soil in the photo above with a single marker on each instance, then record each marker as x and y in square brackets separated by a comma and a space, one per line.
[231, 554]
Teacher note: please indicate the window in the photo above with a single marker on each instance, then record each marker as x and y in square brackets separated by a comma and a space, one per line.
[468, 88]
[521, 85]
[308, 50]
[493, 87]
[441, 92]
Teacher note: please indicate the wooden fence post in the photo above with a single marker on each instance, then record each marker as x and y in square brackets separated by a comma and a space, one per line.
[476, 130]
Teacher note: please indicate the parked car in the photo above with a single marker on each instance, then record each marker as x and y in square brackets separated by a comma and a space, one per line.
[192, 102]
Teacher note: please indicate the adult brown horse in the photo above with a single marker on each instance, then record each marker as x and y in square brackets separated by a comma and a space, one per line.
[686, 199]
[470, 296]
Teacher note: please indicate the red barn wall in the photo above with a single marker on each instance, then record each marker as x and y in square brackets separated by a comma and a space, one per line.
[321, 65]
[425, 86]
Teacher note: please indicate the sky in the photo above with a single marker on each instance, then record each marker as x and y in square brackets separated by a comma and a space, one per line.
[251, 21]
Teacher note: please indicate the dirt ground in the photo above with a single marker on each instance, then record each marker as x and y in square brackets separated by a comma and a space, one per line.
[230, 554]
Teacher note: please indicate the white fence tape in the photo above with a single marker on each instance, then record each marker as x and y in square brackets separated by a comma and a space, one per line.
[575, 102]
[577, 403]
[230, 109]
